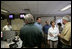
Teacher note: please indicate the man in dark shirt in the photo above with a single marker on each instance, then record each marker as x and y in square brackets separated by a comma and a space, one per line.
[30, 34]
[45, 30]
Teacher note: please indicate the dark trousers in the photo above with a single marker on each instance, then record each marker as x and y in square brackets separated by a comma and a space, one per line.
[65, 46]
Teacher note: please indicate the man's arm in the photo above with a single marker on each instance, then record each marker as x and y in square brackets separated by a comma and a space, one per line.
[67, 36]
[4, 28]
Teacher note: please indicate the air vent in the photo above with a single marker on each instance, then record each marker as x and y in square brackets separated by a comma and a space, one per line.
[27, 9]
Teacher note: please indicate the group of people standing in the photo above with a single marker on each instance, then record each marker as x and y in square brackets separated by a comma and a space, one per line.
[34, 35]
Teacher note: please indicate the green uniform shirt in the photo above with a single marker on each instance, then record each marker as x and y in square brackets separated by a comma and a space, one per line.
[30, 35]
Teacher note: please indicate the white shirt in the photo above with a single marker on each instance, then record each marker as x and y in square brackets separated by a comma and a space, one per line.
[54, 31]
[7, 27]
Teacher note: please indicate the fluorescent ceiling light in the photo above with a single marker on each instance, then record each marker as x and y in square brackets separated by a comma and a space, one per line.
[65, 8]
[4, 11]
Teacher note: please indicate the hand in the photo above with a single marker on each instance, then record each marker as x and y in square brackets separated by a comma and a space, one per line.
[50, 34]
[59, 34]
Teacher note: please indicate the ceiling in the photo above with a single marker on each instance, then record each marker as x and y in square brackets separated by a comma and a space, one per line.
[36, 7]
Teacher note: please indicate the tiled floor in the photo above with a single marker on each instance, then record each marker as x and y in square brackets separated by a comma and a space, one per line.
[4, 44]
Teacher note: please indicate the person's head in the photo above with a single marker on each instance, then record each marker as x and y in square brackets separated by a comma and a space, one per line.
[59, 24]
[47, 22]
[8, 23]
[52, 23]
[28, 19]
[38, 19]
[66, 19]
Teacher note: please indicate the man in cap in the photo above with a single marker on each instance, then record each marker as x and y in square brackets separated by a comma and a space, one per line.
[65, 35]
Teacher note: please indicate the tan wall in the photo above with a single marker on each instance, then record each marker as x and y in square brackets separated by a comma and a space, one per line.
[3, 23]
[17, 24]
[46, 19]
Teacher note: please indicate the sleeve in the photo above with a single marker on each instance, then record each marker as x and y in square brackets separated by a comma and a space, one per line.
[48, 33]
[4, 28]
[48, 30]
[68, 35]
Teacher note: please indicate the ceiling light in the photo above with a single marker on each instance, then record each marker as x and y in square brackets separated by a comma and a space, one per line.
[65, 8]
[4, 11]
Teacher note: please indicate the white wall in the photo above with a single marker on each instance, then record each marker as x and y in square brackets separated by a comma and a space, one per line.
[46, 18]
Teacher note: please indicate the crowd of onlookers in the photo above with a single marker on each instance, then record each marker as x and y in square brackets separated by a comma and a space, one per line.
[34, 35]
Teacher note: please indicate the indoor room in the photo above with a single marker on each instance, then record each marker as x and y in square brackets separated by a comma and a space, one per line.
[35, 24]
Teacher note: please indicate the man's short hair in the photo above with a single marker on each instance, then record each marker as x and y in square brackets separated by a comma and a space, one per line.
[29, 18]
[46, 21]
[52, 22]
[38, 18]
